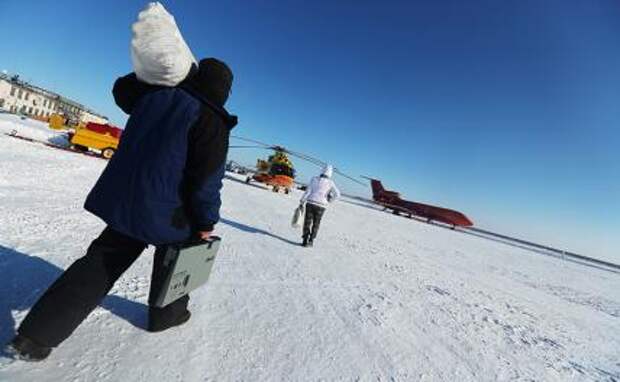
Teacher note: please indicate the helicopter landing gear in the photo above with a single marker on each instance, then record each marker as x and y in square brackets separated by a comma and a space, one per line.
[277, 189]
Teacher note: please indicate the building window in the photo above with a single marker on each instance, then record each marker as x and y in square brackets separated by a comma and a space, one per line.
[30, 110]
[12, 91]
[1, 102]
[27, 96]
[19, 94]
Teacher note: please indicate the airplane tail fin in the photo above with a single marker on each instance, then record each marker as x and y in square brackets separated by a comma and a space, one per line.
[377, 188]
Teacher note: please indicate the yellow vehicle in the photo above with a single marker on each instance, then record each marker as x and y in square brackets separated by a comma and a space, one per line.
[57, 122]
[104, 138]
[277, 171]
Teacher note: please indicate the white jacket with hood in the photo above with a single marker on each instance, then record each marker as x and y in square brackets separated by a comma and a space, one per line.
[321, 190]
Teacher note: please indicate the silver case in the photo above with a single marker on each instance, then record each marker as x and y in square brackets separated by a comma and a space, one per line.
[189, 268]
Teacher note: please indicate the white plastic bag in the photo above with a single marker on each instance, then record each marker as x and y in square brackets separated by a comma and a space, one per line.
[295, 222]
[159, 53]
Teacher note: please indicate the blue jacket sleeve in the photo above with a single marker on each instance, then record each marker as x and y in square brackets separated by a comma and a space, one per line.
[206, 201]
[205, 169]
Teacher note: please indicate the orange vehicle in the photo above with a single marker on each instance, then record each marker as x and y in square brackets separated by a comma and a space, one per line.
[57, 122]
[277, 171]
[95, 136]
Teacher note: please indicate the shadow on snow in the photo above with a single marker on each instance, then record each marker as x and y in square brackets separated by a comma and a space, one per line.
[25, 278]
[249, 229]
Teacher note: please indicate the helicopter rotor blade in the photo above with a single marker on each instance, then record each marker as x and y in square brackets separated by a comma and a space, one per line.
[307, 158]
[317, 162]
[349, 177]
[252, 141]
[320, 163]
[247, 147]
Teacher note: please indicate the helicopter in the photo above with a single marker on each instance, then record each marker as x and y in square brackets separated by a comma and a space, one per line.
[278, 171]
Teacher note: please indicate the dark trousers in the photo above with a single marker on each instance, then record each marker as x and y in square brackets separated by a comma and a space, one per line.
[78, 291]
[312, 221]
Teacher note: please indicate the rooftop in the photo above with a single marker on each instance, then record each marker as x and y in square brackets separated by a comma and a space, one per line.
[14, 79]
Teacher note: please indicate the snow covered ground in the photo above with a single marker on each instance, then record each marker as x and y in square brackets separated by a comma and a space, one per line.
[31, 128]
[378, 298]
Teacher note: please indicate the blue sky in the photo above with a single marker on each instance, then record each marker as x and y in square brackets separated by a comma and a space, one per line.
[506, 110]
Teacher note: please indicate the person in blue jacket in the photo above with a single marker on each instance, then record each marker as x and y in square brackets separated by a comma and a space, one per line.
[161, 186]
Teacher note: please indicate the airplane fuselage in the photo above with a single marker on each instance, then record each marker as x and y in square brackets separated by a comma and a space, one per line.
[392, 200]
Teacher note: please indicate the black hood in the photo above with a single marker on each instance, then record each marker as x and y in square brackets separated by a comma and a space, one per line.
[209, 82]
[213, 79]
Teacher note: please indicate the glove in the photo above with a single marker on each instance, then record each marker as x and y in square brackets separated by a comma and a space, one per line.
[330, 196]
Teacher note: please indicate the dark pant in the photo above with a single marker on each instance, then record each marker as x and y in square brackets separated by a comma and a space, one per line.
[78, 291]
[312, 221]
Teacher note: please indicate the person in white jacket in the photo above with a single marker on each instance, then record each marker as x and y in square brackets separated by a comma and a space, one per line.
[320, 193]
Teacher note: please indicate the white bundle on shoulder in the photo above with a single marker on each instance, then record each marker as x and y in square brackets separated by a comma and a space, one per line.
[159, 53]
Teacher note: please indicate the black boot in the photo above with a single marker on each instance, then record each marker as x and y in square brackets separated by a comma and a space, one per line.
[304, 242]
[26, 349]
[171, 315]
[159, 322]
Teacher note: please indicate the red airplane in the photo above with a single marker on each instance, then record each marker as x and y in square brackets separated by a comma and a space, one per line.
[391, 200]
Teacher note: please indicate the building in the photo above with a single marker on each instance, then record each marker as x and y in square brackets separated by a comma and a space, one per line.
[21, 97]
